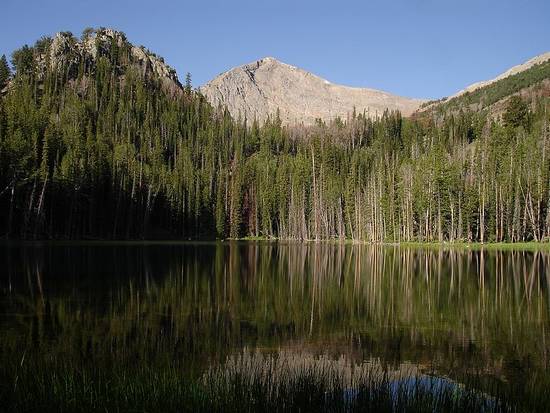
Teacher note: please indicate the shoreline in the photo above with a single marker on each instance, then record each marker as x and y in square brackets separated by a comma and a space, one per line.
[526, 245]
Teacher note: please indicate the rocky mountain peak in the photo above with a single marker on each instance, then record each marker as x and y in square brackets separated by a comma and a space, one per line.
[266, 86]
[268, 59]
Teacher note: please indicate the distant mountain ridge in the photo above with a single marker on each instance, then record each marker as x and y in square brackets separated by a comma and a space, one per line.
[529, 80]
[259, 89]
[510, 72]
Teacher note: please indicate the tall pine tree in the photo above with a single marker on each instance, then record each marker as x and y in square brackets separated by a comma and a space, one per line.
[4, 71]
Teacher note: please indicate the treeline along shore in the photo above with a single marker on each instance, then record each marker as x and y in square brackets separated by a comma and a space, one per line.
[98, 139]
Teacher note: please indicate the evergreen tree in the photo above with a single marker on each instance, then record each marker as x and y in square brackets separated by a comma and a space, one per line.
[23, 60]
[516, 114]
[87, 33]
[4, 71]
[188, 85]
[119, 155]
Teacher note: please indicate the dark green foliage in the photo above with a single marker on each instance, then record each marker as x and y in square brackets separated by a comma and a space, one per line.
[87, 32]
[494, 92]
[42, 45]
[517, 113]
[188, 83]
[4, 71]
[104, 149]
[22, 60]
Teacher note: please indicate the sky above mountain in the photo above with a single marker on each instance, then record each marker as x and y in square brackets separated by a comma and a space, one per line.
[416, 48]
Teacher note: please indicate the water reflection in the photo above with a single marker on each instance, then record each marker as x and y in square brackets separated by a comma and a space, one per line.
[196, 305]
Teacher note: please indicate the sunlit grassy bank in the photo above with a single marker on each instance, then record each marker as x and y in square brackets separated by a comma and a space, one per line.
[527, 246]
[495, 246]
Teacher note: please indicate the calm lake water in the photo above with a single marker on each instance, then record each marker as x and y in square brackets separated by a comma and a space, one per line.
[451, 313]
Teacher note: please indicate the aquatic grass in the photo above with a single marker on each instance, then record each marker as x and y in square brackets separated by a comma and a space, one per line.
[249, 382]
[302, 382]
[142, 341]
[58, 387]
[253, 382]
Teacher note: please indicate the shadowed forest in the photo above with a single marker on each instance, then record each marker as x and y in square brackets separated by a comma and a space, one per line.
[104, 150]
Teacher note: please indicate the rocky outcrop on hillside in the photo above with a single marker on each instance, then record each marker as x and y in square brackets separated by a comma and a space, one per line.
[65, 51]
[262, 88]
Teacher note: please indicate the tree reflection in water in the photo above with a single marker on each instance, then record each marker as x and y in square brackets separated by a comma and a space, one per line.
[195, 306]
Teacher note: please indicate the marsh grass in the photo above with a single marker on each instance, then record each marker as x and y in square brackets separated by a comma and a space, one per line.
[289, 381]
[142, 329]
[246, 382]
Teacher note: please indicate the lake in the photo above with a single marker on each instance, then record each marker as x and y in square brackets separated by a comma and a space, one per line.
[102, 312]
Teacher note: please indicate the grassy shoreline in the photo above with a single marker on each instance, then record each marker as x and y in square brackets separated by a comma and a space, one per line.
[249, 384]
[526, 246]
[531, 245]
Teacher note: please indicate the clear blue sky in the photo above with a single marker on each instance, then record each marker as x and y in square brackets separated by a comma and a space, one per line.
[419, 48]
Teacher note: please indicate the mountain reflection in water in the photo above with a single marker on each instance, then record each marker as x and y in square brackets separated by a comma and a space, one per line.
[455, 314]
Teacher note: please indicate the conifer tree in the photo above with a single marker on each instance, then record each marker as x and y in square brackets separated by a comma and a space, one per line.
[516, 114]
[117, 155]
[4, 71]
[188, 85]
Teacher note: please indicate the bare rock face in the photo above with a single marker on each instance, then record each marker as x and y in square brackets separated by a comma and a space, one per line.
[259, 89]
[68, 52]
[64, 51]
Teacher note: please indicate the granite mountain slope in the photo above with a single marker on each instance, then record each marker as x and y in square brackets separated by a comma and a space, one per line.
[260, 88]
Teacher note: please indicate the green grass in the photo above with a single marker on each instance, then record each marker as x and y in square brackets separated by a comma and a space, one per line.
[60, 387]
[508, 246]
[527, 246]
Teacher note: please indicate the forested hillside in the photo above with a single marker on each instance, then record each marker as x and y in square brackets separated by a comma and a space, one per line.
[100, 140]
[534, 81]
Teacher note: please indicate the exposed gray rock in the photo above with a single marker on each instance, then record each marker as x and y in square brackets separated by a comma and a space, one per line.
[259, 89]
[68, 52]
[64, 50]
